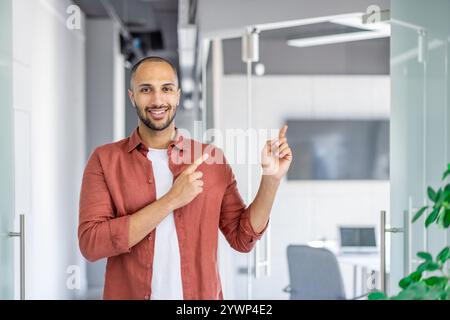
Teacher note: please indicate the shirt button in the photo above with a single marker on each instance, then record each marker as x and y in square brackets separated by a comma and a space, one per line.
[149, 237]
[150, 181]
[147, 298]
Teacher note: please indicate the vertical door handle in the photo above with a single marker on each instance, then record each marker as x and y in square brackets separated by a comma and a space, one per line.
[383, 230]
[21, 235]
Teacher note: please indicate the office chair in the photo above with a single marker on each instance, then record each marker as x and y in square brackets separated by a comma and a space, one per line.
[314, 274]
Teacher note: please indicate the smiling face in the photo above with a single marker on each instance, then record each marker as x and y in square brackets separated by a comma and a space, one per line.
[155, 94]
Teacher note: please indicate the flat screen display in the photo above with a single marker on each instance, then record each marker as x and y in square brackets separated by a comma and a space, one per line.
[339, 149]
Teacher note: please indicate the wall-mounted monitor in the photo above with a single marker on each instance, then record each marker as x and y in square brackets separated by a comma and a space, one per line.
[339, 149]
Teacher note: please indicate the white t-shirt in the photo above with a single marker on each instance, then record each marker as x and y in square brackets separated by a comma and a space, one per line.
[166, 278]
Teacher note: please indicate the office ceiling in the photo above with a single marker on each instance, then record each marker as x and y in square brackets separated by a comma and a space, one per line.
[356, 57]
[142, 16]
[359, 57]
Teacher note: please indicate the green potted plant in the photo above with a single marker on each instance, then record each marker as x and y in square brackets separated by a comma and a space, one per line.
[430, 281]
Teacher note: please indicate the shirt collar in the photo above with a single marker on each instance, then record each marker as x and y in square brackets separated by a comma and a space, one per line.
[136, 141]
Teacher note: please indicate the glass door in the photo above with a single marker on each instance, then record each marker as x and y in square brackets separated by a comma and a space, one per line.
[303, 74]
[420, 124]
[6, 159]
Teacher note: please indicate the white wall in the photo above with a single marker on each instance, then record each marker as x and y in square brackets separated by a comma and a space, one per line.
[105, 95]
[105, 103]
[304, 211]
[49, 111]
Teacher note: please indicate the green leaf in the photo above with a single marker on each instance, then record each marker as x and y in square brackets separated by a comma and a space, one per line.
[441, 217]
[446, 203]
[446, 173]
[447, 188]
[415, 276]
[436, 281]
[405, 282]
[444, 255]
[440, 197]
[419, 213]
[377, 296]
[447, 218]
[432, 194]
[422, 267]
[428, 266]
[446, 195]
[432, 266]
[425, 255]
[431, 218]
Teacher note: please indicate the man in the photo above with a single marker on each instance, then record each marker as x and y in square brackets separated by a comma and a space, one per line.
[156, 218]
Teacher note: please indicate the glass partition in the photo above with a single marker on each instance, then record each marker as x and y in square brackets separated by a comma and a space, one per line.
[6, 158]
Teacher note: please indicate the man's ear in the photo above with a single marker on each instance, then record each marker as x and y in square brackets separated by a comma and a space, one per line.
[131, 96]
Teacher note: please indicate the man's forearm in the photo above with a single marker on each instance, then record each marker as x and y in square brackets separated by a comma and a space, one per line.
[262, 205]
[145, 220]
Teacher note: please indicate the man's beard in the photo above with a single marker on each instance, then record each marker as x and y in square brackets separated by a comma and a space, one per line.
[148, 122]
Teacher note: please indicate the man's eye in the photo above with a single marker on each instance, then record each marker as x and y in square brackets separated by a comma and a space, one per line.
[145, 90]
[167, 89]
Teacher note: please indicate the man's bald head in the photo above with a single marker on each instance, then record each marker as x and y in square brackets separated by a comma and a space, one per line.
[152, 59]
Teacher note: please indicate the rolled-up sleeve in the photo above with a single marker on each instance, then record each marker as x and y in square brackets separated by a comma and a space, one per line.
[235, 217]
[100, 233]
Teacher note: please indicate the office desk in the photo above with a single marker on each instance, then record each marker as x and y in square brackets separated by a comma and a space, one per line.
[366, 263]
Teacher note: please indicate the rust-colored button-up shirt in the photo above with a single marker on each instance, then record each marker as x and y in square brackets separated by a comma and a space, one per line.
[118, 181]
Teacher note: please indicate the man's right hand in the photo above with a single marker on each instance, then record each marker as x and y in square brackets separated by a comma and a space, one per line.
[188, 184]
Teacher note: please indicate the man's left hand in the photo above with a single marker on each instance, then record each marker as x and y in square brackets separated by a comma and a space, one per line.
[276, 156]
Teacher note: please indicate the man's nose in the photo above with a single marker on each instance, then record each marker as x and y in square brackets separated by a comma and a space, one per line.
[157, 98]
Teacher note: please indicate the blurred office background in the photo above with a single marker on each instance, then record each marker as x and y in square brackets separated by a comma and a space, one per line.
[364, 92]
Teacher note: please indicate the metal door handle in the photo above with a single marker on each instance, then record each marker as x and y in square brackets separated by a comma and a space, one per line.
[21, 235]
[383, 230]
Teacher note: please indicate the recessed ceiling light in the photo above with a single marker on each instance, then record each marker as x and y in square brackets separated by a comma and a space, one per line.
[336, 38]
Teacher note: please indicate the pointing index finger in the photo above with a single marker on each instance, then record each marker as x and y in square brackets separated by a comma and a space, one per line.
[283, 130]
[196, 163]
